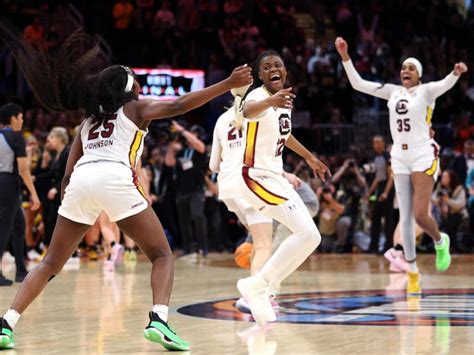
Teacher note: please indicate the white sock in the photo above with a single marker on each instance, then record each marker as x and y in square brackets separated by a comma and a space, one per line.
[439, 242]
[162, 311]
[412, 267]
[12, 317]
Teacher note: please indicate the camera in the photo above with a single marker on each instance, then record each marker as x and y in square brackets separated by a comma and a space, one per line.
[442, 192]
[351, 164]
[326, 190]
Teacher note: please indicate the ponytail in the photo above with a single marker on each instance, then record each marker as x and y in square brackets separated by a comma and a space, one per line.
[70, 80]
[238, 121]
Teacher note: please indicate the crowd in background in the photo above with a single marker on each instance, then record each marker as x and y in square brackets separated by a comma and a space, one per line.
[358, 210]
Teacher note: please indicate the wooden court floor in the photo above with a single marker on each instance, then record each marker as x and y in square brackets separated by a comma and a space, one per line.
[88, 311]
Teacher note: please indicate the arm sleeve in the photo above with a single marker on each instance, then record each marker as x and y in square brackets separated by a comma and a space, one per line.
[215, 159]
[437, 88]
[258, 94]
[379, 90]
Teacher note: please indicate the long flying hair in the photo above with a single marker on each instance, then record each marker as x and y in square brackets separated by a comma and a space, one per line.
[70, 80]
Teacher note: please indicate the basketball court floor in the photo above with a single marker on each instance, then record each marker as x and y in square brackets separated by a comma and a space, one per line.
[334, 304]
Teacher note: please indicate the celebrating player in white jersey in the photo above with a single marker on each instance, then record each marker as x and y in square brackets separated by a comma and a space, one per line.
[414, 153]
[267, 112]
[100, 172]
[228, 145]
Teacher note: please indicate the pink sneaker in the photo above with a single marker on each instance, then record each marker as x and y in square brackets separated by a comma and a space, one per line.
[401, 264]
[109, 265]
[397, 261]
[117, 254]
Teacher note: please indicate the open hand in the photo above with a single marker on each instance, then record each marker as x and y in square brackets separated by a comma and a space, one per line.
[319, 168]
[282, 99]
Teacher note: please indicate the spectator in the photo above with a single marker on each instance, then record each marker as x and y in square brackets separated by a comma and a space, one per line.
[464, 162]
[122, 13]
[329, 213]
[164, 17]
[190, 163]
[381, 194]
[351, 188]
[449, 202]
[57, 142]
[34, 34]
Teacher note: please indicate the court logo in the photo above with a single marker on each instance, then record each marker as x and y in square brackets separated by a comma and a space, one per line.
[436, 307]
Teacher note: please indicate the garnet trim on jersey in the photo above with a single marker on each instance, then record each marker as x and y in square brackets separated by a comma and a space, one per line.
[132, 155]
[251, 142]
[261, 192]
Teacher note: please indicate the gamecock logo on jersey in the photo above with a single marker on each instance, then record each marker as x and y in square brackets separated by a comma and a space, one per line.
[401, 107]
[285, 123]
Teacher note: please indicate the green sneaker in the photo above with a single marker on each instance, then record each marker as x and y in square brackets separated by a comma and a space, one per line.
[160, 332]
[6, 335]
[443, 257]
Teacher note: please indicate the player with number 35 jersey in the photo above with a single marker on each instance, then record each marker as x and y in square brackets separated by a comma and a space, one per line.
[414, 154]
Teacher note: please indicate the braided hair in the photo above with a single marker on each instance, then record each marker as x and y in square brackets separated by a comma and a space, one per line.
[256, 82]
[70, 79]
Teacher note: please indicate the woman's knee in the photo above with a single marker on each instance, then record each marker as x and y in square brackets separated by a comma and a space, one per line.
[159, 253]
[421, 216]
[311, 236]
[51, 267]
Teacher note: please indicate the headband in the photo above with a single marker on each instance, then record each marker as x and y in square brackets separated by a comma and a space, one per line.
[130, 79]
[416, 63]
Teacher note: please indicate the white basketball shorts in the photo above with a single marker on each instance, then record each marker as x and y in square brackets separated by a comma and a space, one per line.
[102, 186]
[247, 214]
[407, 159]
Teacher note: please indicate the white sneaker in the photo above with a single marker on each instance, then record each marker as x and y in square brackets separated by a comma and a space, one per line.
[256, 293]
[109, 265]
[33, 255]
[8, 258]
[117, 254]
[242, 305]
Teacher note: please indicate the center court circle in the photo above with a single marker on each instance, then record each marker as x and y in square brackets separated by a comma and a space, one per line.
[437, 307]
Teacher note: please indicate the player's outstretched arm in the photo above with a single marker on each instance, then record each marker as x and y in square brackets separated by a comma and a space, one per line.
[282, 99]
[382, 91]
[438, 88]
[318, 167]
[152, 109]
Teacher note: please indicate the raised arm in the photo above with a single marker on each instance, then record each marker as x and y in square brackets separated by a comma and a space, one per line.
[382, 91]
[152, 109]
[438, 88]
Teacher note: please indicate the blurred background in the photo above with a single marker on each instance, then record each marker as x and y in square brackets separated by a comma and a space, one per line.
[183, 45]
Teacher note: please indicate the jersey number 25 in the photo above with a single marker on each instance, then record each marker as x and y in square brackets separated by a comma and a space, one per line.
[106, 132]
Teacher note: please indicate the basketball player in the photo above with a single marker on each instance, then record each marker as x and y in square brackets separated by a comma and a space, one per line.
[228, 145]
[267, 112]
[414, 153]
[100, 173]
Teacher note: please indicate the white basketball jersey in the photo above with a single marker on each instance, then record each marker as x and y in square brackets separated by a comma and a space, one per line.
[410, 116]
[266, 135]
[231, 141]
[115, 138]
